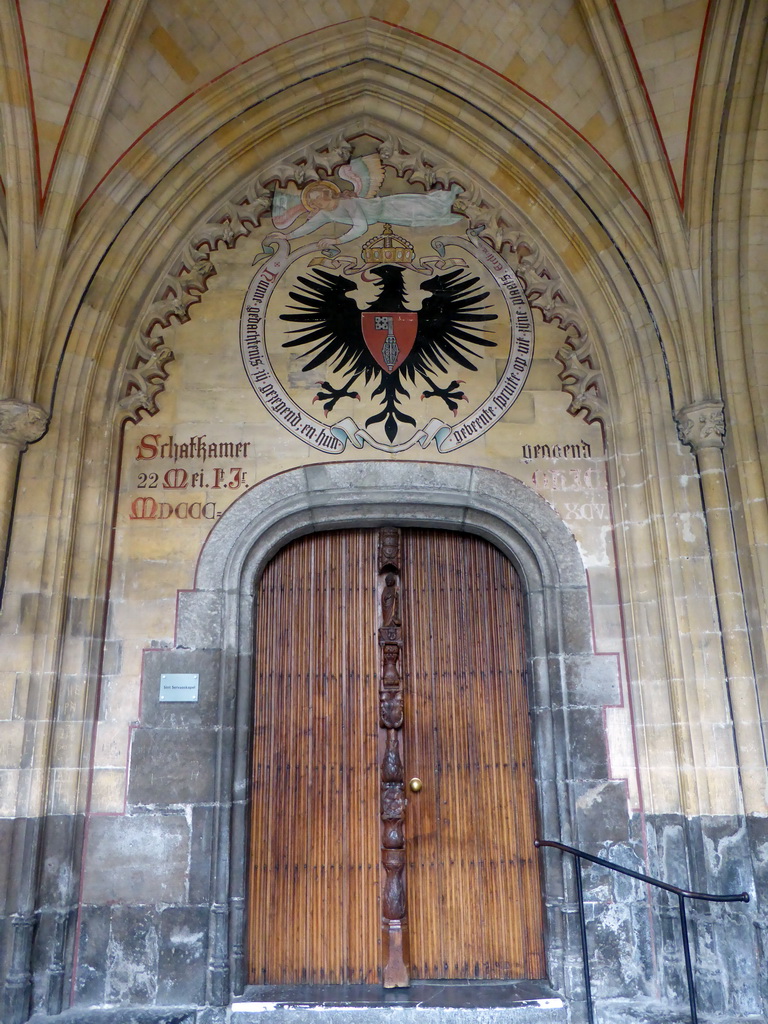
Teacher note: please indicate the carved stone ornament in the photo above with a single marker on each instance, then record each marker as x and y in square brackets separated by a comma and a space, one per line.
[702, 425]
[187, 278]
[21, 423]
[584, 384]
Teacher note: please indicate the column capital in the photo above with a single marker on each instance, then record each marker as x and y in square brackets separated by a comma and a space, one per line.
[701, 425]
[21, 423]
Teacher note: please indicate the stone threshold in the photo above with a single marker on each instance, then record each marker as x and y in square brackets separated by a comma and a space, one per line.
[455, 994]
[424, 1003]
[437, 1002]
[123, 1015]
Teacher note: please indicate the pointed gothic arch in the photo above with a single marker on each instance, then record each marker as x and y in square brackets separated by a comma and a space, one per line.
[204, 156]
[136, 269]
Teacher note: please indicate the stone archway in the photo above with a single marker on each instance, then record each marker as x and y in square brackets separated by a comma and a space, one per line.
[216, 616]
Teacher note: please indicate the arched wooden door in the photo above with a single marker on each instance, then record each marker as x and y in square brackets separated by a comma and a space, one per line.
[331, 760]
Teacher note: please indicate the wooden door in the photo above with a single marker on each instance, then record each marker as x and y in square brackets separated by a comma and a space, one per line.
[474, 903]
[471, 874]
[314, 880]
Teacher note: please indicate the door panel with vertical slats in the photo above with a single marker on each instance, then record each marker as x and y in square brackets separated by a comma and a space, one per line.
[472, 882]
[474, 904]
[314, 911]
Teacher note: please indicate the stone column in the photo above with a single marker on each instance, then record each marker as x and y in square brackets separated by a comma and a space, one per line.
[21, 423]
[702, 427]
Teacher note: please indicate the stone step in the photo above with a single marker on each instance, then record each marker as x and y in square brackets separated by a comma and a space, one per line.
[422, 1003]
[647, 1011]
[522, 1007]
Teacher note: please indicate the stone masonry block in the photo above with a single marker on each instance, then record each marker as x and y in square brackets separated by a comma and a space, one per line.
[203, 712]
[201, 854]
[592, 681]
[199, 612]
[139, 859]
[170, 767]
[94, 938]
[587, 739]
[577, 634]
[601, 814]
[182, 959]
[132, 956]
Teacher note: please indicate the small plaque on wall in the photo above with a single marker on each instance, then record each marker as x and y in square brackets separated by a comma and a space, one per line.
[179, 687]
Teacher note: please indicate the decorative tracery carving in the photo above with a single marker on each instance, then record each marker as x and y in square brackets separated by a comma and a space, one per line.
[239, 216]
[583, 383]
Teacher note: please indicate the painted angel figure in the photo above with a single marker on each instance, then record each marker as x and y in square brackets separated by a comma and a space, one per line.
[361, 206]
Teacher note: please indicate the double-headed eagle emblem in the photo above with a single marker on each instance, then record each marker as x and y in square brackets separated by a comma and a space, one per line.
[386, 342]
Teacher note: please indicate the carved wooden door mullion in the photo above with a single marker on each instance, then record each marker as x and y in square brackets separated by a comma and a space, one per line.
[393, 905]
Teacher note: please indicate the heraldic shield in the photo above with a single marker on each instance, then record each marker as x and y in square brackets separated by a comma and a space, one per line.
[389, 337]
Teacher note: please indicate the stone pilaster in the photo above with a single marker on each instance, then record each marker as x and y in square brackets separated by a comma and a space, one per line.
[21, 423]
[701, 426]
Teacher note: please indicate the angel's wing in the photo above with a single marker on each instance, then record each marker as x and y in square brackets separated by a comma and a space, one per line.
[365, 174]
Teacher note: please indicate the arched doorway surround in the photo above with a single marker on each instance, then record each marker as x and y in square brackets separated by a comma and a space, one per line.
[217, 616]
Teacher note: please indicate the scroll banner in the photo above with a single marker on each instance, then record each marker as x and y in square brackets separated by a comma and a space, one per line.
[335, 437]
[347, 430]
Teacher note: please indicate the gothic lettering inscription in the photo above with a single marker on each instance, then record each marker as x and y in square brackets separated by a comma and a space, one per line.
[197, 465]
[589, 510]
[578, 450]
[565, 479]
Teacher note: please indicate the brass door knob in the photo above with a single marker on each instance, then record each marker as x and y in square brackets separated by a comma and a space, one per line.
[415, 785]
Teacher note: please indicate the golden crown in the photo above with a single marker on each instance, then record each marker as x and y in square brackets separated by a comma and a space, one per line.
[388, 248]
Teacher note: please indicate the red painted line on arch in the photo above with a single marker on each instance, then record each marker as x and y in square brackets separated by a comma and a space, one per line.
[35, 143]
[76, 93]
[694, 91]
[420, 35]
[189, 96]
[649, 102]
[530, 95]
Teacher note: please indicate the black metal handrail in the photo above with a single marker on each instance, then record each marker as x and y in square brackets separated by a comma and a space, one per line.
[682, 896]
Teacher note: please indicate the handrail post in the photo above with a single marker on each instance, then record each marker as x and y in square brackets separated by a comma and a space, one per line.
[687, 955]
[682, 894]
[584, 949]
